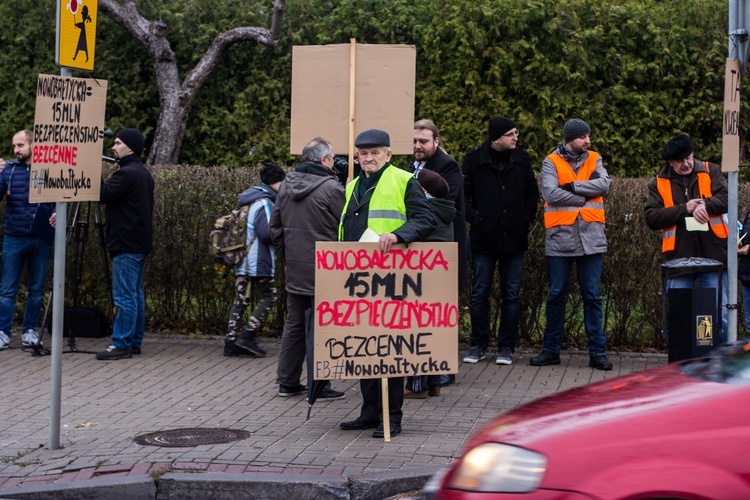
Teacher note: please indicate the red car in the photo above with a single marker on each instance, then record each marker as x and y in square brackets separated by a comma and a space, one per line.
[680, 431]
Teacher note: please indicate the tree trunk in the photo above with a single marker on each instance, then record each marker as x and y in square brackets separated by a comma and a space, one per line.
[176, 98]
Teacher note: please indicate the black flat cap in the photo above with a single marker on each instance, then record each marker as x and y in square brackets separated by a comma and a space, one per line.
[372, 137]
[678, 147]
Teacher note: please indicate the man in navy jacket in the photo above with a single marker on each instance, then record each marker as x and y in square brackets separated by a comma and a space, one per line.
[21, 245]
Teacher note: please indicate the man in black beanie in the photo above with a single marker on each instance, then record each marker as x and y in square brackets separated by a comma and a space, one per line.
[574, 183]
[686, 188]
[501, 196]
[129, 197]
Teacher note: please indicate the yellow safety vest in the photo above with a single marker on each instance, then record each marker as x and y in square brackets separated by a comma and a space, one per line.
[386, 211]
[591, 211]
[715, 222]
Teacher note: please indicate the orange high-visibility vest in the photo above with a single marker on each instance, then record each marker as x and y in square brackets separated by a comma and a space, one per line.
[592, 211]
[715, 222]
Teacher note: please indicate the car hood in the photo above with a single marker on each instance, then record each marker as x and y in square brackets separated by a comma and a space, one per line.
[620, 398]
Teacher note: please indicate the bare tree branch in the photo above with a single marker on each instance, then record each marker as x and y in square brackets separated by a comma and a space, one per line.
[177, 97]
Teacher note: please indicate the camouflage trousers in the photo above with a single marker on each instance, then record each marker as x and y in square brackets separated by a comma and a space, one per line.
[266, 286]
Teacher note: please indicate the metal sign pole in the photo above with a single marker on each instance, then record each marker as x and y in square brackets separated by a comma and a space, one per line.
[58, 305]
[737, 51]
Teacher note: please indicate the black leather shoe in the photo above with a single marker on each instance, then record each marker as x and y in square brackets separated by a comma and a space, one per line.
[600, 363]
[545, 358]
[379, 432]
[359, 424]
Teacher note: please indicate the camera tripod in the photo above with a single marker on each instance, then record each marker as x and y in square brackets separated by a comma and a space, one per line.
[77, 231]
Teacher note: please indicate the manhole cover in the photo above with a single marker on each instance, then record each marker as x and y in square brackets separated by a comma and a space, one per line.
[177, 438]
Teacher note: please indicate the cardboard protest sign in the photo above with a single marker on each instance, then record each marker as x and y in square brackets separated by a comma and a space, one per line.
[730, 158]
[384, 81]
[66, 164]
[385, 315]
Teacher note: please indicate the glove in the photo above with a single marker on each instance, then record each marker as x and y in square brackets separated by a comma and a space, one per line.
[594, 175]
[568, 187]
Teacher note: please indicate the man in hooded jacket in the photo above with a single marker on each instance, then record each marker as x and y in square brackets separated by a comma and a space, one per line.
[307, 210]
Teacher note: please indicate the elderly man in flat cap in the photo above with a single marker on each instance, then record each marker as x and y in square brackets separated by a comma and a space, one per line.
[684, 188]
[369, 205]
[574, 183]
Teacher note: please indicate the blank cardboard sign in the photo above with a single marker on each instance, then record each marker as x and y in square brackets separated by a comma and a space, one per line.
[384, 94]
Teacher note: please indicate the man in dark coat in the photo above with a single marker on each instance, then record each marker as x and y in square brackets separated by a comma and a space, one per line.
[430, 155]
[129, 197]
[502, 196]
[375, 185]
[689, 188]
[307, 210]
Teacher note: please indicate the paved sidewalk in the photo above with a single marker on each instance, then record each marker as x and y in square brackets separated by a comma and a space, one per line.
[180, 383]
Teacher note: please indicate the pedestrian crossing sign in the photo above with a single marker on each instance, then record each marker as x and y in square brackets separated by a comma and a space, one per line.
[76, 34]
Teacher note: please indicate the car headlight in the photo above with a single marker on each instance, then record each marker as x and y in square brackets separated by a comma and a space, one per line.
[499, 468]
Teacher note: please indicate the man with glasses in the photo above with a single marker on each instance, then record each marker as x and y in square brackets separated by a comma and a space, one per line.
[685, 188]
[574, 183]
[501, 196]
[307, 210]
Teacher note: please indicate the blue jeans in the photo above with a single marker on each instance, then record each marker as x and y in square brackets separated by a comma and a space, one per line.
[589, 270]
[17, 250]
[127, 290]
[707, 280]
[510, 266]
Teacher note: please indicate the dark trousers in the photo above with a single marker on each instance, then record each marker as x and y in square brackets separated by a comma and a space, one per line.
[372, 406]
[293, 348]
[510, 267]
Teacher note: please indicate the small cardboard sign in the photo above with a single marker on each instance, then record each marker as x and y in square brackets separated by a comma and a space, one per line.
[385, 315]
[66, 163]
[730, 155]
[385, 77]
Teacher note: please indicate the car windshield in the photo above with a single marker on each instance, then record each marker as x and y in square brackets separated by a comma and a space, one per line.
[729, 364]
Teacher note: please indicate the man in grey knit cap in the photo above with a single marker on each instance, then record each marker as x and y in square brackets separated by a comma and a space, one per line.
[574, 183]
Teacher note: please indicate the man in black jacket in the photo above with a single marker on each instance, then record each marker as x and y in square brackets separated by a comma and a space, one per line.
[129, 197]
[374, 187]
[501, 195]
[429, 154]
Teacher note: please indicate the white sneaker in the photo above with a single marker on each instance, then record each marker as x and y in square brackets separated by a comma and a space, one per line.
[4, 340]
[29, 338]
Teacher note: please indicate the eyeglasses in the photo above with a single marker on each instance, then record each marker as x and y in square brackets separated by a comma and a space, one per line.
[511, 133]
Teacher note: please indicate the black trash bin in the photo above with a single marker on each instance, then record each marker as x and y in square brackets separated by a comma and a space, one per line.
[691, 317]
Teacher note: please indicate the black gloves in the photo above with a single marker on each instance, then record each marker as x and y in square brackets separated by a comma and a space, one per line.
[568, 187]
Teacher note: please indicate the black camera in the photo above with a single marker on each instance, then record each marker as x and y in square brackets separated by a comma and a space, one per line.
[341, 168]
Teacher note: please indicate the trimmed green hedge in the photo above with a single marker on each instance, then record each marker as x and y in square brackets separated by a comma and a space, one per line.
[188, 293]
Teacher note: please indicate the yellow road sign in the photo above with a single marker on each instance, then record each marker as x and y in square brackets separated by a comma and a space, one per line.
[76, 33]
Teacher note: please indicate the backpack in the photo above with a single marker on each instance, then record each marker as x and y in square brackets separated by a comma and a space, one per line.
[227, 240]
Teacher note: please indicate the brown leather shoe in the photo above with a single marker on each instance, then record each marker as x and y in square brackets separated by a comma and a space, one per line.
[414, 395]
[434, 391]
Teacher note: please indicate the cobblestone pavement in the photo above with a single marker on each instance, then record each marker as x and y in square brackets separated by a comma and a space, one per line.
[187, 383]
